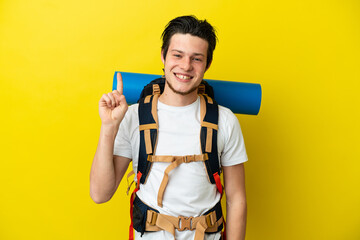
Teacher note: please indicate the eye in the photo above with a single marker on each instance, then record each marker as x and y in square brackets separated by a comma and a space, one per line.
[197, 59]
[177, 55]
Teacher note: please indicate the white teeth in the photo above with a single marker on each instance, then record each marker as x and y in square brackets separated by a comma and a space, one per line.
[182, 76]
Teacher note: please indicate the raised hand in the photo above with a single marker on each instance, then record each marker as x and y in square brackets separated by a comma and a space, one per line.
[113, 106]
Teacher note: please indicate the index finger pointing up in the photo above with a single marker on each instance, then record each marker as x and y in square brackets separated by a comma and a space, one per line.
[119, 83]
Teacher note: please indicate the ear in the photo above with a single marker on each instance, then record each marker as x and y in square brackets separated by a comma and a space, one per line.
[162, 57]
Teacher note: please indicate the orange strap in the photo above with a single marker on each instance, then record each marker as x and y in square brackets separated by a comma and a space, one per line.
[154, 109]
[209, 99]
[147, 137]
[209, 136]
[175, 162]
[187, 158]
[147, 99]
[209, 125]
[144, 127]
[202, 108]
[148, 144]
[156, 90]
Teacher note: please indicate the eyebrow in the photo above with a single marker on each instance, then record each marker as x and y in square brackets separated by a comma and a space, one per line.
[194, 54]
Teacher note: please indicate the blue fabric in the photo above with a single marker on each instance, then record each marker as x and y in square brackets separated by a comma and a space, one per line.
[240, 97]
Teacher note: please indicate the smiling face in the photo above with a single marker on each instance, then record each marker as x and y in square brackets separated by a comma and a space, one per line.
[185, 64]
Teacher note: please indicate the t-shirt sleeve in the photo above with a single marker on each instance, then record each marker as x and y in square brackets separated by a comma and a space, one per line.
[122, 145]
[234, 151]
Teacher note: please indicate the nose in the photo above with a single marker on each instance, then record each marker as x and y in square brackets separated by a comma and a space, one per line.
[186, 64]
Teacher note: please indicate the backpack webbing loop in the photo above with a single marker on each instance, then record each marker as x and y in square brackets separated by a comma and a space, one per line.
[201, 89]
[156, 89]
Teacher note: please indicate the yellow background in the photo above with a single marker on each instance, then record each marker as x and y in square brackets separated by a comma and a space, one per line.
[58, 57]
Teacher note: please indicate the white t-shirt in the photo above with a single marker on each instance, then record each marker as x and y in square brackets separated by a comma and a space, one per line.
[188, 192]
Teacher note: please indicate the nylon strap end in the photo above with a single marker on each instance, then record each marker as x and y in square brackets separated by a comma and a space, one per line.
[218, 183]
[132, 182]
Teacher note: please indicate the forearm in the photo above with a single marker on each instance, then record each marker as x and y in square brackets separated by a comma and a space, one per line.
[236, 212]
[236, 209]
[102, 175]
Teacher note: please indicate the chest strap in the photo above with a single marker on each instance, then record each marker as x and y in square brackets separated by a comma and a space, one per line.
[175, 162]
[206, 223]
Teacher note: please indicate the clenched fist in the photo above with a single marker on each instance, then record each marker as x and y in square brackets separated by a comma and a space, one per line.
[113, 106]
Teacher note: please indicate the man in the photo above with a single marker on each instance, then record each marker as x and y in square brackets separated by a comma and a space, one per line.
[187, 50]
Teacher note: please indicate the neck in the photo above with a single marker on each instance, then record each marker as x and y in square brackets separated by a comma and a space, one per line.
[171, 98]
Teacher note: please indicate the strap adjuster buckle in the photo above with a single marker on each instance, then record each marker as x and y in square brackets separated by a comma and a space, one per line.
[185, 223]
[210, 221]
[188, 158]
[153, 218]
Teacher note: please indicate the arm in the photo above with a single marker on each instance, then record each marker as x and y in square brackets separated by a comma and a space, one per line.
[236, 208]
[107, 170]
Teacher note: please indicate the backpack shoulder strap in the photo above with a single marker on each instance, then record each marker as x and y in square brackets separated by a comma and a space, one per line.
[148, 127]
[209, 115]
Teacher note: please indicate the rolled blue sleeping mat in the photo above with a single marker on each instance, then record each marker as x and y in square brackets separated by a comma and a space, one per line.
[240, 97]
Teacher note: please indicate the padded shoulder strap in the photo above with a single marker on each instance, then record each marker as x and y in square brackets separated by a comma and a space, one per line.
[148, 127]
[209, 113]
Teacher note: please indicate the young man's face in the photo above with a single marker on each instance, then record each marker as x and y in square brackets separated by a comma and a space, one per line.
[185, 63]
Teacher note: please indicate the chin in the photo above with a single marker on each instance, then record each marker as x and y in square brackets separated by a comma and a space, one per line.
[182, 91]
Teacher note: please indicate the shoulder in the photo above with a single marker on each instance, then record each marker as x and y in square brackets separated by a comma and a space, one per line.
[133, 107]
[229, 129]
[131, 116]
[132, 111]
[227, 117]
[230, 138]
